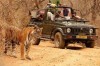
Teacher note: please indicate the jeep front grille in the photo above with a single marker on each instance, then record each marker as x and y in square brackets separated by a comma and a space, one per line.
[77, 31]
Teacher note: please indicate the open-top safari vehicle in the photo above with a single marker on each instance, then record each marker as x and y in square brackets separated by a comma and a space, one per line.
[64, 32]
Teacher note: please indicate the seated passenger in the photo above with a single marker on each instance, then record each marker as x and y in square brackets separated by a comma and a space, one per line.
[73, 15]
[50, 16]
[40, 15]
[67, 13]
[76, 17]
[58, 14]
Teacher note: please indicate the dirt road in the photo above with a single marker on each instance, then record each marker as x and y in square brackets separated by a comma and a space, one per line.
[46, 55]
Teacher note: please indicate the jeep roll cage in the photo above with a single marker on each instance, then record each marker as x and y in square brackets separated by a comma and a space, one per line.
[73, 11]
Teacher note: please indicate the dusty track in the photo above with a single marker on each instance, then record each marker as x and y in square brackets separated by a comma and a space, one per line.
[46, 55]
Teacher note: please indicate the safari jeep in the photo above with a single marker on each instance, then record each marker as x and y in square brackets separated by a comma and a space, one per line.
[64, 32]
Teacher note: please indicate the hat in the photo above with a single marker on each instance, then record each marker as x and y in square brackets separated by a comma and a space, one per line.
[53, 5]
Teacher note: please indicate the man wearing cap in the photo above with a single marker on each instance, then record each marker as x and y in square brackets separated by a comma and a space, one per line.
[51, 12]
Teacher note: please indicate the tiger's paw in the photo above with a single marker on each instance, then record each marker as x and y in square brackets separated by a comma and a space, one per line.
[13, 55]
[22, 58]
[27, 57]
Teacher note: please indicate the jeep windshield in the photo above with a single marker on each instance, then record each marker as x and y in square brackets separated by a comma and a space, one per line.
[70, 22]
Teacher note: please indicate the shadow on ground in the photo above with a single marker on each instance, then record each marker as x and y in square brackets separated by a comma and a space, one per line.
[74, 47]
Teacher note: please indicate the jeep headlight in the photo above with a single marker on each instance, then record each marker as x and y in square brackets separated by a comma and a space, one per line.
[91, 31]
[68, 30]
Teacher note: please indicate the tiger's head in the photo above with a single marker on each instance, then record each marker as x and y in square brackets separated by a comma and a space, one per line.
[37, 33]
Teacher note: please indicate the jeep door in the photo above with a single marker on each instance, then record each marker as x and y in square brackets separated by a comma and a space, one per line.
[48, 27]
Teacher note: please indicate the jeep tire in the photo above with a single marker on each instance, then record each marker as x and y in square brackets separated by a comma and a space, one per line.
[90, 44]
[37, 41]
[59, 41]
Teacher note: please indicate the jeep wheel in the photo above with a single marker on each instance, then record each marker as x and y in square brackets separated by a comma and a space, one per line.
[90, 44]
[36, 41]
[59, 41]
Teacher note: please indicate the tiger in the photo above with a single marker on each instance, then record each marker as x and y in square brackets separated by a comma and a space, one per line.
[24, 38]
